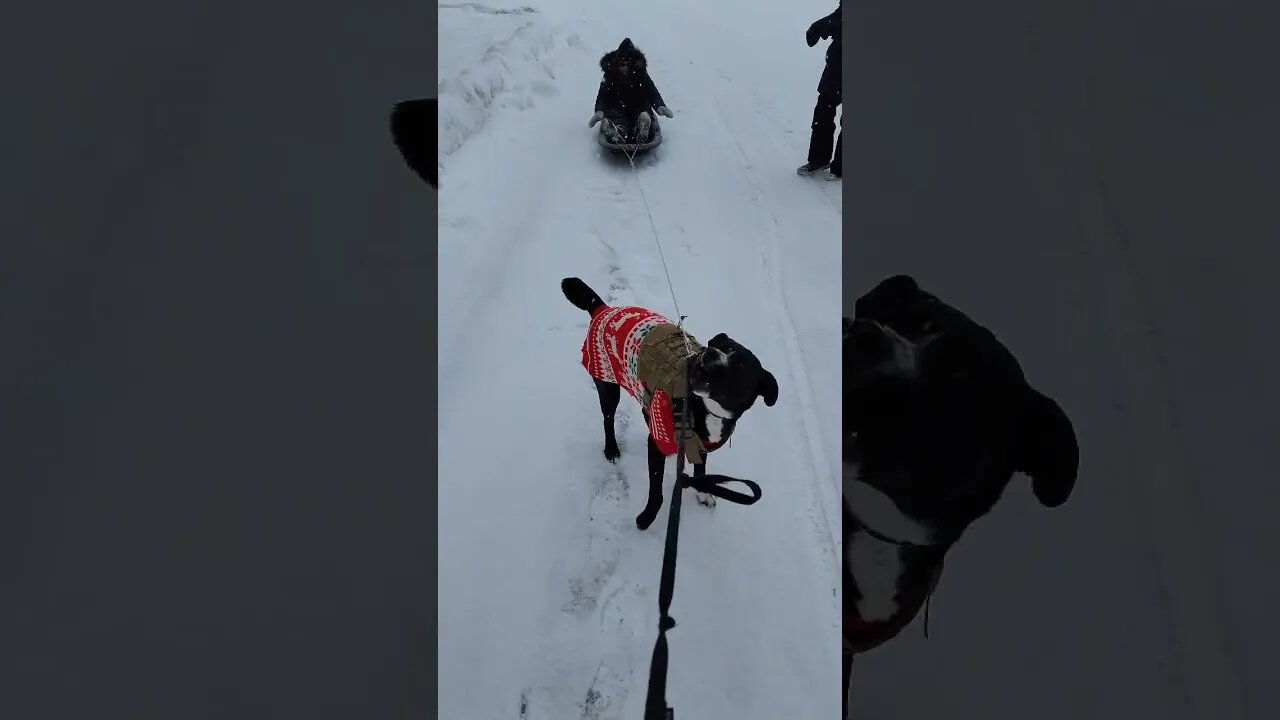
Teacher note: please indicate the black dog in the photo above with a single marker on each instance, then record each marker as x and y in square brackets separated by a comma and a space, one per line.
[637, 349]
[413, 130]
[627, 96]
[938, 416]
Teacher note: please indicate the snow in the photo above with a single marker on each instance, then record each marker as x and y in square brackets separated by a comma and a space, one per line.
[491, 59]
[548, 592]
[1088, 181]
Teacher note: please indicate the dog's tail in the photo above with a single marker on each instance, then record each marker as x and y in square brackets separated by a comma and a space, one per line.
[582, 296]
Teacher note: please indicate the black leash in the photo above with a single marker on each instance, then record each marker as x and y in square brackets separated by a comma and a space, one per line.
[655, 704]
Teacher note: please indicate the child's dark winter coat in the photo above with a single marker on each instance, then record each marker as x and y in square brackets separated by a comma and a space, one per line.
[626, 90]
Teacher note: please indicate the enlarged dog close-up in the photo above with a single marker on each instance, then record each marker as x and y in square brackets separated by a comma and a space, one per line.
[938, 416]
[662, 367]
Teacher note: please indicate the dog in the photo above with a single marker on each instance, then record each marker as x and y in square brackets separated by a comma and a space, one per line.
[643, 352]
[938, 416]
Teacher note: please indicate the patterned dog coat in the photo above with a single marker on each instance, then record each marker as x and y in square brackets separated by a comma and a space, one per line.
[629, 345]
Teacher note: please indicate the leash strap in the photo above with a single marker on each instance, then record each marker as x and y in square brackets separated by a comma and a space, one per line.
[655, 703]
[711, 484]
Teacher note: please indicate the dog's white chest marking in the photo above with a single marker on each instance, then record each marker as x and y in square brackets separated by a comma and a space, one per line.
[715, 428]
[905, 361]
[876, 566]
[715, 434]
[878, 511]
[716, 416]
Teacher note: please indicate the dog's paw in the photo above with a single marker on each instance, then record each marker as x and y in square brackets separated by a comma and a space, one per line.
[706, 499]
[612, 453]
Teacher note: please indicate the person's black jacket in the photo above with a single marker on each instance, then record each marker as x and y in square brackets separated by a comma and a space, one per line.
[624, 97]
[828, 27]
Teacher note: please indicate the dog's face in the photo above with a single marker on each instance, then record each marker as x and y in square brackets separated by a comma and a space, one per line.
[927, 434]
[729, 377]
[940, 413]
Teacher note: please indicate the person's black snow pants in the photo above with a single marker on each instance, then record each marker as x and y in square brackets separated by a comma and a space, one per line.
[824, 119]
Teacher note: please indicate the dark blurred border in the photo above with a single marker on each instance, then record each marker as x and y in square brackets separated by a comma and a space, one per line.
[217, 493]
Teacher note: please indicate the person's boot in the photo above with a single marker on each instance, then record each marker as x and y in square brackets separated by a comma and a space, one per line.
[810, 168]
[643, 121]
[611, 131]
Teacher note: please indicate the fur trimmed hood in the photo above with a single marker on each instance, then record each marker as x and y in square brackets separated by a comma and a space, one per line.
[625, 49]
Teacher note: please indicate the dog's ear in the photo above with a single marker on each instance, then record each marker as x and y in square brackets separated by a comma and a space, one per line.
[889, 295]
[413, 131]
[1046, 448]
[719, 339]
[767, 387]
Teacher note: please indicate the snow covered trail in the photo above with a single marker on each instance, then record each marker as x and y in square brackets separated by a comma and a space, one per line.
[1087, 181]
[548, 602]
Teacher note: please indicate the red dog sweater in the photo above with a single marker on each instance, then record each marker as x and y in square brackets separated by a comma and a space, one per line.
[615, 351]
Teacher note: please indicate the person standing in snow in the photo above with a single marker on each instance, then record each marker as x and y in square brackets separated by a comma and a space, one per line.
[627, 96]
[829, 98]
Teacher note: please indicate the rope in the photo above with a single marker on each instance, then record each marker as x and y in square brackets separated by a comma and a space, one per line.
[631, 159]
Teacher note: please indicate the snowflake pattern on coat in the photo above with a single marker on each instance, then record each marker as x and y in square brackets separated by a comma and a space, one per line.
[611, 351]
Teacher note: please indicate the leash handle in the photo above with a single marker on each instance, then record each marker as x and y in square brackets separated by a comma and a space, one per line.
[711, 484]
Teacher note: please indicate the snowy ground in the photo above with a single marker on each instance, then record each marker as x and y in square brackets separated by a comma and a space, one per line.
[548, 601]
[1090, 182]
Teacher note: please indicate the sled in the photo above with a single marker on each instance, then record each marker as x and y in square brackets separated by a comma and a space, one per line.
[633, 148]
